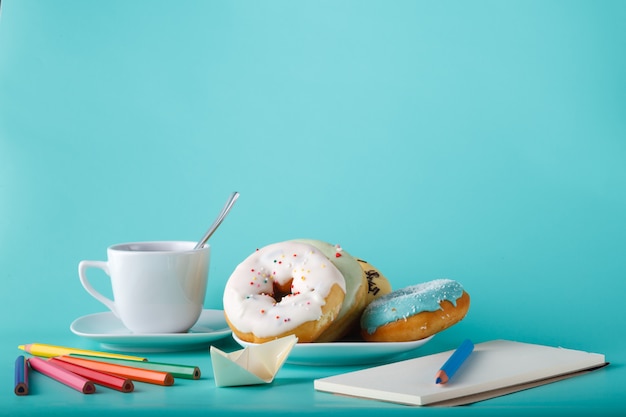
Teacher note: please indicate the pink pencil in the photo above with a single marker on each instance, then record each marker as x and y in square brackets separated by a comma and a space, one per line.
[61, 375]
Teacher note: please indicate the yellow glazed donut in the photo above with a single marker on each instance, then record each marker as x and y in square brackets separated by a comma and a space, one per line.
[415, 312]
[282, 289]
[356, 290]
[377, 283]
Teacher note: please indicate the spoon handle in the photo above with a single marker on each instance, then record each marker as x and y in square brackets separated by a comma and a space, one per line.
[229, 204]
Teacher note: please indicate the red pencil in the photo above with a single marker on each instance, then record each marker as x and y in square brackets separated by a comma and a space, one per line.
[100, 378]
[62, 375]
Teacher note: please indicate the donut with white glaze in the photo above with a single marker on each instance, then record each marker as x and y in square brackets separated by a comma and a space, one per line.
[283, 289]
[415, 312]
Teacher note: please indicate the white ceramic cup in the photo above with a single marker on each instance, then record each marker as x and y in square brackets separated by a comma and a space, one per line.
[158, 287]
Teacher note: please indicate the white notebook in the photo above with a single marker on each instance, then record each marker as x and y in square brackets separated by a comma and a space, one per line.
[494, 368]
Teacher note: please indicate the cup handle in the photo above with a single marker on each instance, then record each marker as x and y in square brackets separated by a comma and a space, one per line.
[82, 273]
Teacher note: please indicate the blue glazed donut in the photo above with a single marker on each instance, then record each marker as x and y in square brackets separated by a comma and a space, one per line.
[415, 312]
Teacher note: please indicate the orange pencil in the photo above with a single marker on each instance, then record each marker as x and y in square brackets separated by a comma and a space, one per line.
[136, 374]
[100, 378]
[62, 375]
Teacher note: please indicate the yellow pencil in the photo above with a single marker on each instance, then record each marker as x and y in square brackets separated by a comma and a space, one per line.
[49, 351]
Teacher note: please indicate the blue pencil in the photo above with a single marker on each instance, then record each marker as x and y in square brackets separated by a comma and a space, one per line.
[454, 362]
[21, 376]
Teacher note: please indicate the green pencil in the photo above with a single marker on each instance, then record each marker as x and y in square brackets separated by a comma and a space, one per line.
[177, 371]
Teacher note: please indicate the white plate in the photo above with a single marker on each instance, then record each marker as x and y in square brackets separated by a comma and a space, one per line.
[111, 333]
[345, 353]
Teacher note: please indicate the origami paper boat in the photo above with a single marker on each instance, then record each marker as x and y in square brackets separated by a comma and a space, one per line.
[255, 364]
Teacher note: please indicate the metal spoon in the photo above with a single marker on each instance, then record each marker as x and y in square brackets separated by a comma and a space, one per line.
[229, 204]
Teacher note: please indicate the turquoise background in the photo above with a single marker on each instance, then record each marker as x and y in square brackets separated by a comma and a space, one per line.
[481, 141]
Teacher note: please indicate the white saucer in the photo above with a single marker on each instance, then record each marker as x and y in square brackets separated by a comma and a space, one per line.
[345, 353]
[111, 333]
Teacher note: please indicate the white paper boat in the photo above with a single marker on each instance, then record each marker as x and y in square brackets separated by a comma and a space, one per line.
[252, 365]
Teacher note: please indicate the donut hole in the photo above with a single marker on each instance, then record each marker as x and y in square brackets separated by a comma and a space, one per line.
[282, 290]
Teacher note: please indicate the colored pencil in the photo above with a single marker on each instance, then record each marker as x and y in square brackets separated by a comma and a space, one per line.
[62, 375]
[21, 376]
[108, 380]
[177, 371]
[454, 362]
[49, 351]
[136, 374]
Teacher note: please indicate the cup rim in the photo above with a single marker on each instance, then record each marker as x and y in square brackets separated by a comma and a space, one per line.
[157, 246]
